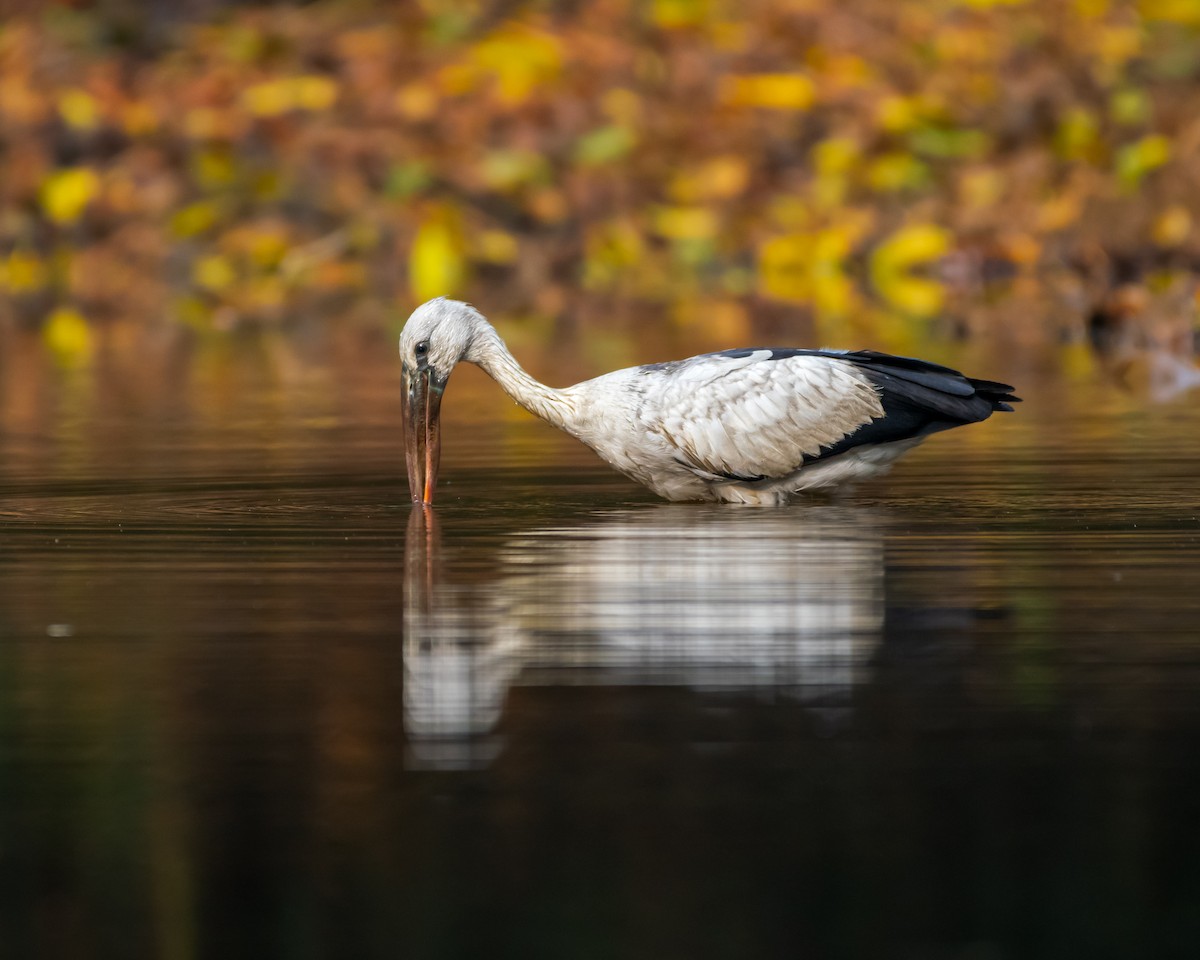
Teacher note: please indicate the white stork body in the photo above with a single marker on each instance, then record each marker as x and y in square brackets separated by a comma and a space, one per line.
[743, 426]
[731, 428]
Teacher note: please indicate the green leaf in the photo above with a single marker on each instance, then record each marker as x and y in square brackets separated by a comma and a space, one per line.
[1135, 160]
[405, 179]
[949, 142]
[604, 145]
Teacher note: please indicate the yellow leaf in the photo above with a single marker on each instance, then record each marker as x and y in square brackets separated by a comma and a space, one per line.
[242, 43]
[508, 169]
[771, 91]
[497, 246]
[1135, 160]
[612, 248]
[917, 296]
[267, 184]
[194, 219]
[1172, 227]
[835, 155]
[314, 92]
[68, 336]
[833, 292]
[898, 114]
[906, 249]
[214, 273]
[266, 248]
[78, 109]
[1172, 11]
[783, 267]
[214, 168]
[789, 212]
[686, 223]
[23, 273]
[834, 295]
[67, 193]
[896, 171]
[437, 265]
[1117, 45]
[720, 178]
[811, 267]
[723, 177]
[310, 91]
[268, 99]
[911, 245]
[520, 59]
[677, 14]
[1058, 212]
[731, 36]
[1077, 134]
[1129, 106]
[604, 145]
[832, 246]
[193, 311]
[265, 294]
[981, 188]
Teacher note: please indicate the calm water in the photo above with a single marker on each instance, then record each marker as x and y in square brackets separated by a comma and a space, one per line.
[252, 705]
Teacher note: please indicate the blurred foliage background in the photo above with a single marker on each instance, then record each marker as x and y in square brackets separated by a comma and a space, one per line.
[212, 165]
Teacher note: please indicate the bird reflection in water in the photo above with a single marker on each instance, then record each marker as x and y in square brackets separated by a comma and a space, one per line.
[457, 665]
[712, 599]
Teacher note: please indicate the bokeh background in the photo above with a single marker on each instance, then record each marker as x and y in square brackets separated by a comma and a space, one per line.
[879, 171]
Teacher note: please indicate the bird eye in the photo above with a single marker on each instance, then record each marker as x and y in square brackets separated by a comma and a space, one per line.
[422, 348]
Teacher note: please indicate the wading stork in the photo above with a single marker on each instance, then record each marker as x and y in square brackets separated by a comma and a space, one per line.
[741, 426]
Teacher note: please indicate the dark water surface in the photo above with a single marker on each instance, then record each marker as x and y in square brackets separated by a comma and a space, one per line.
[251, 705]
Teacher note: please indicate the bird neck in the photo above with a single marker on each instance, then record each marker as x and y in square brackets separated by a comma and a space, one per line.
[489, 352]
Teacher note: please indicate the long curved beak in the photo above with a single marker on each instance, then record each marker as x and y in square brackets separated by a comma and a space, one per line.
[422, 432]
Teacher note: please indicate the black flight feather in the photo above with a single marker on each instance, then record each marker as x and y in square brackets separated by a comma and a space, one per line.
[918, 398]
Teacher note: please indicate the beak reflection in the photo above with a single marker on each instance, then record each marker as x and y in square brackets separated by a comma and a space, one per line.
[422, 431]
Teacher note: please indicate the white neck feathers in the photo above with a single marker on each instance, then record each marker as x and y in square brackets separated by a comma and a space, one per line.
[489, 352]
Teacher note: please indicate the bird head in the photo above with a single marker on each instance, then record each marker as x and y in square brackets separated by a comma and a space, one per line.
[435, 338]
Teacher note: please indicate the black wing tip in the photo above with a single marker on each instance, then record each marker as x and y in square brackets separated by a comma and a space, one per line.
[999, 395]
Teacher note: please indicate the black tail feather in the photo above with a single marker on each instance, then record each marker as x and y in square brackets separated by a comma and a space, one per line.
[918, 399]
[940, 389]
